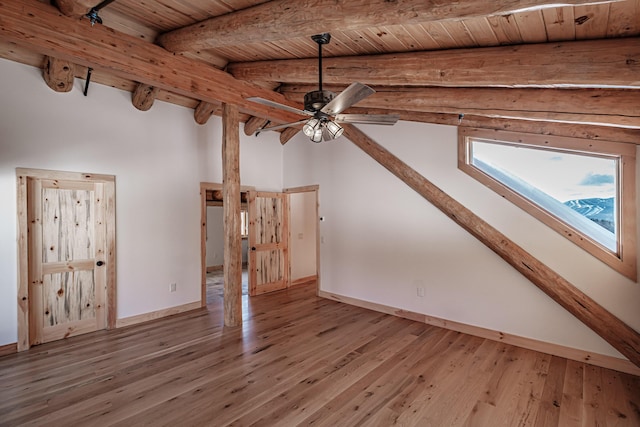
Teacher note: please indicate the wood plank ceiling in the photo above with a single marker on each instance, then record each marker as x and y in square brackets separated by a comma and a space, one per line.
[422, 57]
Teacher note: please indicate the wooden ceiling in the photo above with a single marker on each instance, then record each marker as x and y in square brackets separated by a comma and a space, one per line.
[429, 60]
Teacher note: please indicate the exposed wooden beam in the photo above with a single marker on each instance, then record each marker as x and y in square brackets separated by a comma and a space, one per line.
[203, 111]
[287, 134]
[594, 63]
[232, 270]
[39, 27]
[58, 74]
[611, 107]
[75, 8]
[588, 132]
[280, 19]
[622, 337]
[253, 124]
[143, 96]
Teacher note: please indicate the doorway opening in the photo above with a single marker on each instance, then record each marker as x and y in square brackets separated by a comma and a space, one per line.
[305, 235]
[266, 250]
[212, 254]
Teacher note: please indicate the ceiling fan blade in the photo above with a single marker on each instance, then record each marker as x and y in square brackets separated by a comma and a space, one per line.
[274, 104]
[286, 125]
[354, 93]
[369, 119]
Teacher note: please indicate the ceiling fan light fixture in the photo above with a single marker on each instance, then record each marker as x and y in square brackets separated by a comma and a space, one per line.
[317, 135]
[311, 127]
[334, 129]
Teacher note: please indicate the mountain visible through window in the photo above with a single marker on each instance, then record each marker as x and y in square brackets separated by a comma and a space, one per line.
[579, 189]
[585, 189]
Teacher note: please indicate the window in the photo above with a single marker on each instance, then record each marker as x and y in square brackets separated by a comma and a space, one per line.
[244, 223]
[581, 188]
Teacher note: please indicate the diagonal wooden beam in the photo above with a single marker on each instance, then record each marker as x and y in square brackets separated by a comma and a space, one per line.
[613, 63]
[611, 107]
[281, 19]
[617, 333]
[39, 27]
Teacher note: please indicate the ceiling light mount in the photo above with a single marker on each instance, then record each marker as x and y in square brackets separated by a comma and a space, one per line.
[93, 13]
[314, 101]
[321, 39]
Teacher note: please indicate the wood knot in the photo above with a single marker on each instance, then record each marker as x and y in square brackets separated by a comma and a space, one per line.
[60, 292]
[581, 19]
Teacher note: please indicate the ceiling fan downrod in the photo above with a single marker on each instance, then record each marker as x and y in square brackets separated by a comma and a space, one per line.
[315, 100]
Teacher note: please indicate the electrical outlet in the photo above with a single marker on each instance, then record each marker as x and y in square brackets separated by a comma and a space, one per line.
[173, 287]
[419, 284]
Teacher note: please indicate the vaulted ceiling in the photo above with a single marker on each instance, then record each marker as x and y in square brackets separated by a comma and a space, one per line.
[431, 61]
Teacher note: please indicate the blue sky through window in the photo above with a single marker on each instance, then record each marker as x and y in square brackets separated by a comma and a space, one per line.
[564, 176]
[580, 189]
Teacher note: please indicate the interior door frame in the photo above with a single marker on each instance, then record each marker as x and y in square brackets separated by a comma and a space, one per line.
[204, 187]
[308, 189]
[22, 177]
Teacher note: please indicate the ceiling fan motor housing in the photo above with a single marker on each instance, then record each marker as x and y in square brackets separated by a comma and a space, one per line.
[314, 101]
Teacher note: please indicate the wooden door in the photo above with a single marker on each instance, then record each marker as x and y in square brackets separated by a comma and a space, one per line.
[268, 242]
[67, 277]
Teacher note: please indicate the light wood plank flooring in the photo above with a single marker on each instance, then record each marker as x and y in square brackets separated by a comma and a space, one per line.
[215, 284]
[301, 360]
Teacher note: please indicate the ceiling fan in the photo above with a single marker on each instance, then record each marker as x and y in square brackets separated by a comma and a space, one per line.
[325, 106]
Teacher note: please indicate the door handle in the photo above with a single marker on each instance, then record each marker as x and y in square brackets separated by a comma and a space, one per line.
[100, 263]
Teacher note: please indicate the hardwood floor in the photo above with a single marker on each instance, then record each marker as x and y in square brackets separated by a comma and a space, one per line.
[300, 360]
[215, 284]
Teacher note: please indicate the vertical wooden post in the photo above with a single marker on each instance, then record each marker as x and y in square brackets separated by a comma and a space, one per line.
[231, 194]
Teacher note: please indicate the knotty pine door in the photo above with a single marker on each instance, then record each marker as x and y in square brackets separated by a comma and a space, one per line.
[67, 277]
[268, 242]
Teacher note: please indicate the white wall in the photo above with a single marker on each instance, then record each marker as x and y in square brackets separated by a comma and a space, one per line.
[215, 238]
[382, 240]
[158, 157]
[215, 235]
[302, 248]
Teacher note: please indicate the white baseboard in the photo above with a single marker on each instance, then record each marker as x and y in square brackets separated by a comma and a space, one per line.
[145, 317]
[602, 360]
